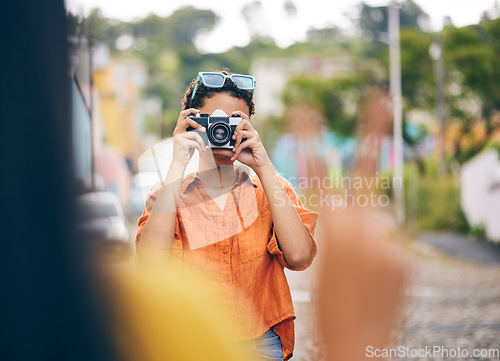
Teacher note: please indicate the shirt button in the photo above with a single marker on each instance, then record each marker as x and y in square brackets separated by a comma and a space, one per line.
[224, 251]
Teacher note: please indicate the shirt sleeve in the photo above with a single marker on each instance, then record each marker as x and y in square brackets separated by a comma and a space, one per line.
[308, 219]
[150, 201]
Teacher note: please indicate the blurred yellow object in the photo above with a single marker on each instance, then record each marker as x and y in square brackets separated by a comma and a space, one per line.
[118, 88]
[163, 314]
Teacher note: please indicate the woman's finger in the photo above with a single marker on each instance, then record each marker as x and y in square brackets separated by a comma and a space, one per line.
[184, 113]
[241, 114]
[186, 123]
[194, 136]
[243, 125]
[246, 144]
[240, 135]
[189, 143]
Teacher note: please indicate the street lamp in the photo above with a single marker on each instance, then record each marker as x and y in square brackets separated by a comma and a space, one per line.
[395, 86]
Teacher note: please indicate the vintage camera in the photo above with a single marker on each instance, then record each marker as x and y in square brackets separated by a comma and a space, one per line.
[219, 128]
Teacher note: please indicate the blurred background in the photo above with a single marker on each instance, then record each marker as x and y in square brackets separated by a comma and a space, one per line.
[313, 60]
[132, 62]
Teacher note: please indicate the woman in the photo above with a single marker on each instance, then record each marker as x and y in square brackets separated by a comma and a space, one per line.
[245, 228]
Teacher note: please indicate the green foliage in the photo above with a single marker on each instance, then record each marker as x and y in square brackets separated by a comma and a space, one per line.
[241, 58]
[471, 54]
[169, 121]
[474, 52]
[271, 130]
[168, 89]
[326, 35]
[417, 72]
[331, 96]
[186, 23]
[478, 232]
[434, 199]
[176, 31]
[237, 59]
[154, 29]
[93, 25]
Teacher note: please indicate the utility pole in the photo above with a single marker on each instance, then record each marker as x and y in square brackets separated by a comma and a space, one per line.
[436, 52]
[395, 85]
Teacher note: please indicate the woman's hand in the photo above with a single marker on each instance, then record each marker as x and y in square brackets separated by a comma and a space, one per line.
[248, 148]
[186, 142]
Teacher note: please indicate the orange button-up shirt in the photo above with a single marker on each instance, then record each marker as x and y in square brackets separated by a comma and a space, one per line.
[240, 246]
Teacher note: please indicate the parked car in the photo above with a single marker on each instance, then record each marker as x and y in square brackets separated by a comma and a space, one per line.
[102, 224]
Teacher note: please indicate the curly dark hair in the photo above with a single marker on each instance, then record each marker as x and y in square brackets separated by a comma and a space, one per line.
[203, 92]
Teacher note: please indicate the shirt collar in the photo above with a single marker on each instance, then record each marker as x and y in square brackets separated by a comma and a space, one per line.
[193, 179]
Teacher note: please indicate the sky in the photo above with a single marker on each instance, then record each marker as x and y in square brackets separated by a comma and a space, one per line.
[232, 29]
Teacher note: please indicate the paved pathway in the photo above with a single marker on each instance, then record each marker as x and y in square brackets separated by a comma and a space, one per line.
[454, 301]
[464, 247]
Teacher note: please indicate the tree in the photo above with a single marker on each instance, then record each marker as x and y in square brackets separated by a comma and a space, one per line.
[335, 98]
[93, 25]
[470, 55]
[473, 51]
[188, 22]
[373, 20]
[417, 73]
[326, 35]
[373, 23]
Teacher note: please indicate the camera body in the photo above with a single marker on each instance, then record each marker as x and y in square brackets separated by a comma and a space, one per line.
[219, 128]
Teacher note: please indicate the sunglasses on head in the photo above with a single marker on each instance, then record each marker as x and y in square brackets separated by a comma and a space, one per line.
[217, 80]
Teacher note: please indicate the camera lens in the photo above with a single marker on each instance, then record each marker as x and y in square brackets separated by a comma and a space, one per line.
[219, 133]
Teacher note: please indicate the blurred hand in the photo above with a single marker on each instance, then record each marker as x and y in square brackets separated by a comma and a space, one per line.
[361, 283]
[363, 274]
[374, 121]
[186, 142]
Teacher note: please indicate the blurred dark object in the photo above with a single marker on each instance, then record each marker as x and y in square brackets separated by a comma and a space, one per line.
[50, 307]
[81, 124]
[102, 224]
[81, 50]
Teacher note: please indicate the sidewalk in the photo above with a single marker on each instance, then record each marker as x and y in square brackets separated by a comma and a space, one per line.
[464, 247]
[455, 299]
[301, 285]
[453, 302]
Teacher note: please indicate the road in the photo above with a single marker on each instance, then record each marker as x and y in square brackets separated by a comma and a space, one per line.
[454, 302]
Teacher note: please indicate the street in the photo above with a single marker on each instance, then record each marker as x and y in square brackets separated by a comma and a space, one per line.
[452, 303]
